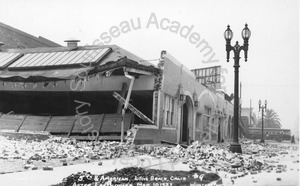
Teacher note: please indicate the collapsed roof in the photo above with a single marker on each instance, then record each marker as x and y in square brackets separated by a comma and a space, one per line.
[40, 64]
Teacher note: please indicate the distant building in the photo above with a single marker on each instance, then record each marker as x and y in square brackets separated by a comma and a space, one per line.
[245, 114]
[14, 38]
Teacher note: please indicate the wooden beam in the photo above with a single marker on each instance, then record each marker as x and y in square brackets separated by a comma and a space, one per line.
[70, 131]
[17, 130]
[133, 109]
[47, 123]
[100, 126]
[137, 71]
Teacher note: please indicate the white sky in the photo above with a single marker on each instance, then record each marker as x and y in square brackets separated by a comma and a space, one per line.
[272, 70]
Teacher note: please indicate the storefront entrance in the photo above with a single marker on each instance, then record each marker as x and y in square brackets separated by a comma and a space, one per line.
[185, 129]
[186, 122]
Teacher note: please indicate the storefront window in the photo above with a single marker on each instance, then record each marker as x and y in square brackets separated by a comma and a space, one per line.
[168, 110]
[206, 117]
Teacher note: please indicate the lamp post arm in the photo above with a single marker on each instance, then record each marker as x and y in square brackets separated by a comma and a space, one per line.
[237, 49]
[228, 49]
[245, 48]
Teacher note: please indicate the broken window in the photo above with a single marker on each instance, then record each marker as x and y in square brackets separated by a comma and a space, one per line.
[206, 120]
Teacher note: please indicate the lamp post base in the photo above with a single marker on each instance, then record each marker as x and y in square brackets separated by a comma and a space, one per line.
[262, 141]
[235, 147]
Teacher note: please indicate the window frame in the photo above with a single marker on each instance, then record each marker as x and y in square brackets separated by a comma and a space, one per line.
[168, 110]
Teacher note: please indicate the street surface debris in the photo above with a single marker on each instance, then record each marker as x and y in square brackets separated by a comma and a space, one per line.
[203, 158]
[21, 154]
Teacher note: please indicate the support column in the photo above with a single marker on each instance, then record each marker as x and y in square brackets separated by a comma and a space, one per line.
[123, 92]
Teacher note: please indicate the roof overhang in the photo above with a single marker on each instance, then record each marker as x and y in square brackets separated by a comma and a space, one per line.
[129, 65]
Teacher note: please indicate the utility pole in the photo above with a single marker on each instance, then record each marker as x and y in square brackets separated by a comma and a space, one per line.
[240, 107]
[250, 116]
[262, 119]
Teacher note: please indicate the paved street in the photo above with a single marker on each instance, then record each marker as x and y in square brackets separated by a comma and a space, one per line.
[288, 162]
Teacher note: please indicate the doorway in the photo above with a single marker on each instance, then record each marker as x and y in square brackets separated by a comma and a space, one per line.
[185, 128]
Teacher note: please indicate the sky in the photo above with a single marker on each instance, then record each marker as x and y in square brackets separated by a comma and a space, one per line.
[147, 27]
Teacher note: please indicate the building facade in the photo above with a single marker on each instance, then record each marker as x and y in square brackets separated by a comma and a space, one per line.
[185, 110]
[78, 92]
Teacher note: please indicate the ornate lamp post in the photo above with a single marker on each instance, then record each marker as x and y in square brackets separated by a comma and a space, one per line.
[262, 119]
[228, 34]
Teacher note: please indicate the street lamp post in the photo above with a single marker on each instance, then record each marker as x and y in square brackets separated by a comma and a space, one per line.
[262, 119]
[228, 34]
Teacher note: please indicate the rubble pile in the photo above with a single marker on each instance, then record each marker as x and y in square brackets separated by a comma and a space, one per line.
[64, 150]
[201, 157]
[197, 155]
[216, 158]
[205, 159]
[130, 136]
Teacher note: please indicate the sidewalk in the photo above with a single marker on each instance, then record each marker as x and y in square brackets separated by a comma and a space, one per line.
[46, 178]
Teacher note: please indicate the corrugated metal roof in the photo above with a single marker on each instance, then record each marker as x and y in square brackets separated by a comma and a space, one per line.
[40, 75]
[6, 58]
[48, 59]
[40, 64]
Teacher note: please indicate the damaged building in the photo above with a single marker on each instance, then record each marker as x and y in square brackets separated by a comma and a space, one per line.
[96, 92]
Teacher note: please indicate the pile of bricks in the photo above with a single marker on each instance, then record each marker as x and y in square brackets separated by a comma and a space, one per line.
[216, 158]
[65, 150]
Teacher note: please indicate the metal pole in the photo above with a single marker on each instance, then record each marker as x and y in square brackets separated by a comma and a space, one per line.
[240, 108]
[235, 146]
[250, 114]
[246, 33]
[262, 125]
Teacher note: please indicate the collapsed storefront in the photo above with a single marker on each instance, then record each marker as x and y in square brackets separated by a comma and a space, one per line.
[81, 92]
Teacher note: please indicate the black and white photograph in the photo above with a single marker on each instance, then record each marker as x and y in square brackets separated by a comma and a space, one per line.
[149, 93]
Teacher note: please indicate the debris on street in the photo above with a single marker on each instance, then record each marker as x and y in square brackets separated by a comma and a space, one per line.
[23, 155]
[19, 154]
